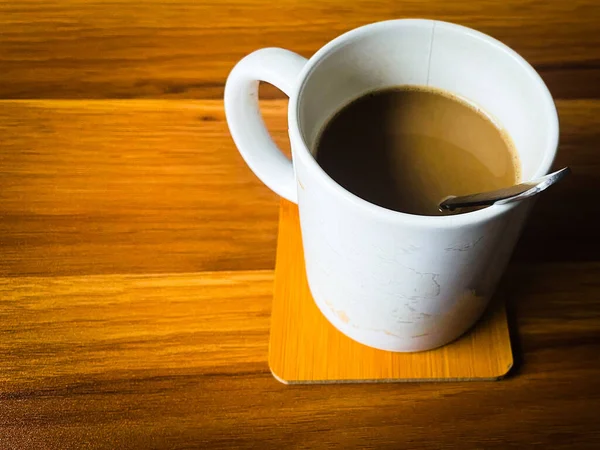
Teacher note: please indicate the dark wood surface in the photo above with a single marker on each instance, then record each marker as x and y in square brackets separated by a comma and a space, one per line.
[136, 249]
[156, 48]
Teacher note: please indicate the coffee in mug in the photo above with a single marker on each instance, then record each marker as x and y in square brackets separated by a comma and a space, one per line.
[407, 148]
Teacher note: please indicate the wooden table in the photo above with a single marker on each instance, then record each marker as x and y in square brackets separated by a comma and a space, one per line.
[137, 250]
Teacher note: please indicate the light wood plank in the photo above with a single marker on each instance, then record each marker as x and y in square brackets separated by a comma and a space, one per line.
[148, 186]
[130, 187]
[212, 322]
[181, 361]
[125, 49]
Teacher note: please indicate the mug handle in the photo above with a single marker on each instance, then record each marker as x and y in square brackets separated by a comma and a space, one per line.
[281, 69]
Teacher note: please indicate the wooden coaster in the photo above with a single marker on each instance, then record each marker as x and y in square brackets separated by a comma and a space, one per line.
[305, 348]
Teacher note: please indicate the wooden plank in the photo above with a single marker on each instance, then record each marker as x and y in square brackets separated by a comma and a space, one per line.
[563, 224]
[305, 348]
[125, 49]
[180, 361]
[130, 187]
[213, 322]
[148, 186]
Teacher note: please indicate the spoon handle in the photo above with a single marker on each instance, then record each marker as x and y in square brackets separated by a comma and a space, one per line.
[505, 195]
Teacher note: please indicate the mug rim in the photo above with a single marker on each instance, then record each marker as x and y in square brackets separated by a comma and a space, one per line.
[455, 220]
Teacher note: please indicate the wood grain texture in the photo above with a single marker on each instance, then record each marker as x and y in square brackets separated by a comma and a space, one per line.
[305, 348]
[128, 323]
[150, 186]
[563, 226]
[125, 49]
[112, 332]
[179, 361]
[130, 187]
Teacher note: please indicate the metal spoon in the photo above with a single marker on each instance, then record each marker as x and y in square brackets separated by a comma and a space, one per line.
[506, 195]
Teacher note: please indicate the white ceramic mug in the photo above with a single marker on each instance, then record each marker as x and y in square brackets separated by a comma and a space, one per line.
[390, 280]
